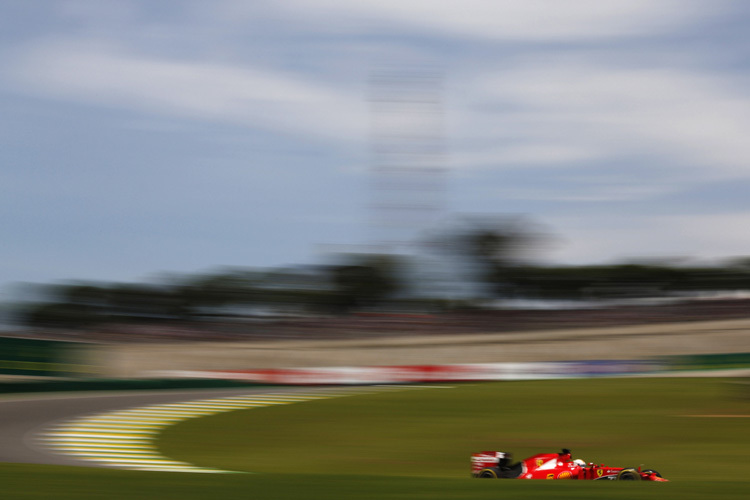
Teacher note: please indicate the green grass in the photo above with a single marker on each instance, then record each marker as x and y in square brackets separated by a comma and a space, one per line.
[431, 433]
[416, 445]
[21, 482]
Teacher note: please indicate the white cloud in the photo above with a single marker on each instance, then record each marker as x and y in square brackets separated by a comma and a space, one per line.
[578, 110]
[606, 192]
[537, 152]
[262, 98]
[540, 20]
[560, 111]
[620, 237]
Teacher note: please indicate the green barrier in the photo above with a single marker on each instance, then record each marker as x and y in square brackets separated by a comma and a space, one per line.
[119, 385]
[709, 361]
[46, 358]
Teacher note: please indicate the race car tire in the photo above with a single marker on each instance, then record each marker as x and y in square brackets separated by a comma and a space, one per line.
[487, 473]
[628, 475]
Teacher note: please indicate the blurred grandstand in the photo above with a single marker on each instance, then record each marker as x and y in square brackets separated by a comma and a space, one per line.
[361, 325]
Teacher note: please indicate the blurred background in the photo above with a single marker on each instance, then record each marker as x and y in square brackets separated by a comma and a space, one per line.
[234, 170]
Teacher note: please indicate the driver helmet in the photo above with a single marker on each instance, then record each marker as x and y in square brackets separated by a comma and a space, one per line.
[503, 458]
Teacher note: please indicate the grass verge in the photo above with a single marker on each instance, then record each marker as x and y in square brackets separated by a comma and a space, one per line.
[416, 445]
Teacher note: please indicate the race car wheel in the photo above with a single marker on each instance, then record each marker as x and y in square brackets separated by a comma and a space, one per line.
[487, 473]
[628, 475]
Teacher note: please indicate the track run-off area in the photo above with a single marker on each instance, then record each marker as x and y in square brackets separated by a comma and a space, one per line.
[125, 438]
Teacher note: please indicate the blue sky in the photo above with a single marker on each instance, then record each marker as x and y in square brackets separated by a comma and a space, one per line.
[140, 137]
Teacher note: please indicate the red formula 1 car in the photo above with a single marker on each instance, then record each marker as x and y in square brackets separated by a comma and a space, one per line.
[497, 464]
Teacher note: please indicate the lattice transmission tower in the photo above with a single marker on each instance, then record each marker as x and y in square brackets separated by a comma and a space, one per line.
[408, 172]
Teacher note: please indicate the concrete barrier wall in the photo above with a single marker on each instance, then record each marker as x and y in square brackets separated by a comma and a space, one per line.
[625, 342]
[539, 370]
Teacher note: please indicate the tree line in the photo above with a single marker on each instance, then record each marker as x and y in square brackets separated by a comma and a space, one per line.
[490, 256]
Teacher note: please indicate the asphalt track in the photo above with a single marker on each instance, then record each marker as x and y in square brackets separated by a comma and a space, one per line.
[24, 418]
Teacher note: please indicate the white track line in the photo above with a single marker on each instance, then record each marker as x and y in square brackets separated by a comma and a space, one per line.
[125, 439]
